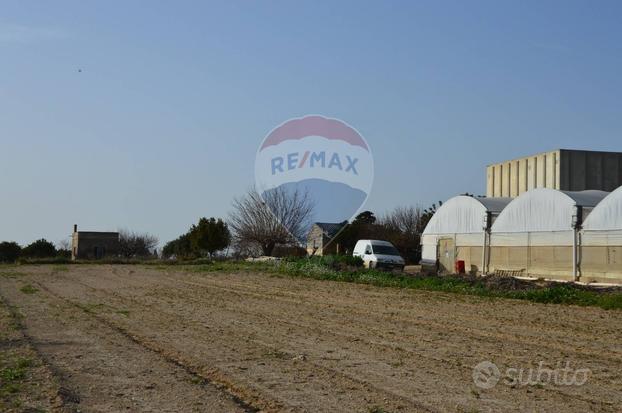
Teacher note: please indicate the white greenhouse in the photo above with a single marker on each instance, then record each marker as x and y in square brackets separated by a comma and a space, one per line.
[537, 233]
[542, 233]
[600, 257]
[456, 232]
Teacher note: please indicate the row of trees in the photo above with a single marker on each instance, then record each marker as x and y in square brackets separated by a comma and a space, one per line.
[136, 244]
[131, 245]
[11, 251]
[280, 220]
[256, 226]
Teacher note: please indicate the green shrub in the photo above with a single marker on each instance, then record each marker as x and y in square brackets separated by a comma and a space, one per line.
[40, 249]
[9, 252]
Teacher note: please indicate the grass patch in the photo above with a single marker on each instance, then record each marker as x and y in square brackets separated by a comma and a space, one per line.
[60, 268]
[377, 409]
[95, 308]
[15, 322]
[11, 377]
[90, 308]
[10, 273]
[28, 289]
[323, 269]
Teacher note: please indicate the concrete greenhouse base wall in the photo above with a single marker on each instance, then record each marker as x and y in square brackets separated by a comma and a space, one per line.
[601, 264]
[553, 262]
[599, 260]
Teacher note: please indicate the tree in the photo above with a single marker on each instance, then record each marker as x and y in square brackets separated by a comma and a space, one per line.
[179, 248]
[364, 218]
[280, 217]
[63, 248]
[133, 244]
[403, 228]
[428, 213]
[209, 235]
[362, 227]
[9, 251]
[243, 249]
[39, 249]
[403, 219]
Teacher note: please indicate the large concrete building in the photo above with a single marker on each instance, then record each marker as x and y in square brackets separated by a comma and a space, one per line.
[562, 169]
[94, 245]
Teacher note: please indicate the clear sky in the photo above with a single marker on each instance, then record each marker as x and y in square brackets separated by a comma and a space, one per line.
[147, 115]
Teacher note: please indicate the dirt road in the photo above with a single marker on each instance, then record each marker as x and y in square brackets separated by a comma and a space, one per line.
[131, 338]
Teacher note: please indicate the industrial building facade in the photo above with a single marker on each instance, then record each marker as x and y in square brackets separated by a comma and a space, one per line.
[562, 169]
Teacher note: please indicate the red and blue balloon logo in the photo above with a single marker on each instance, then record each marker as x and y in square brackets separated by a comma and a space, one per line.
[325, 158]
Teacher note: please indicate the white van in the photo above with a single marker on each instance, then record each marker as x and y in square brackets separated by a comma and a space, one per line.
[378, 254]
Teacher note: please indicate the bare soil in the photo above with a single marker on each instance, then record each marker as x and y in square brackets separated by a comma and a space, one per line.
[132, 338]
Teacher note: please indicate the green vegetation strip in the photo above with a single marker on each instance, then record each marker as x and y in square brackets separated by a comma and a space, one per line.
[11, 378]
[327, 268]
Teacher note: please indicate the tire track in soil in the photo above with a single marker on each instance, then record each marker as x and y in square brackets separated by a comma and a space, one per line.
[475, 332]
[66, 398]
[205, 380]
[237, 292]
[221, 378]
[211, 395]
[478, 334]
[441, 362]
[509, 340]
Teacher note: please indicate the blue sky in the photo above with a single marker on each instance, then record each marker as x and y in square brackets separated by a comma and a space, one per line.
[162, 123]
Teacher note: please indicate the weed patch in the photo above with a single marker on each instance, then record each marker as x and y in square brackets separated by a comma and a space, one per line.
[10, 273]
[12, 376]
[90, 308]
[324, 268]
[60, 268]
[124, 312]
[28, 289]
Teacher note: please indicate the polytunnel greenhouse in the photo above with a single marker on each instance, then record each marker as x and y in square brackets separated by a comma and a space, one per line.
[456, 232]
[544, 233]
[600, 257]
[537, 233]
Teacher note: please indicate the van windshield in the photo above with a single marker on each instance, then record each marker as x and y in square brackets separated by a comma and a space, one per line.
[385, 250]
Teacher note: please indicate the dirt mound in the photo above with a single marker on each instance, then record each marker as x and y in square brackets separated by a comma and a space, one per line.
[500, 283]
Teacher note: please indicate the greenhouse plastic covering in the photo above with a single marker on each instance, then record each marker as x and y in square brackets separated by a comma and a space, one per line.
[607, 215]
[464, 215]
[544, 210]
